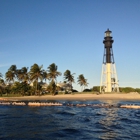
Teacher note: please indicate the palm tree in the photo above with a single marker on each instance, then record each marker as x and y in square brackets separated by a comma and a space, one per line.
[52, 72]
[13, 69]
[52, 87]
[2, 86]
[45, 75]
[1, 90]
[69, 77]
[36, 73]
[19, 75]
[82, 81]
[22, 74]
[9, 76]
[2, 82]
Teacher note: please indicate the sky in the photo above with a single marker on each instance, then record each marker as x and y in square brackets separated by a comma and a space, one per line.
[70, 34]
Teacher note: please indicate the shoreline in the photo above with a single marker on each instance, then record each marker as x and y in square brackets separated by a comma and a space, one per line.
[114, 96]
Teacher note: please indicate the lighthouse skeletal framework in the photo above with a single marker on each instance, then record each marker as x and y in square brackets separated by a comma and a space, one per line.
[109, 80]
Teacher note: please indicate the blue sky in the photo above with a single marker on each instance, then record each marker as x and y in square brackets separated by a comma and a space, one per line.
[70, 33]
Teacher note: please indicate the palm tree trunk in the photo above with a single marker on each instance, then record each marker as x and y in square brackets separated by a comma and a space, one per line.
[36, 86]
[82, 89]
[71, 86]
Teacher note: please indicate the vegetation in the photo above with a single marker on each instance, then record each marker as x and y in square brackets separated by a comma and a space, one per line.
[68, 77]
[52, 87]
[87, 90]
[36, 74]
[52, 72]
[129, 89]
[25, 81]
[96, 89]
[82, 81]
[121, 89]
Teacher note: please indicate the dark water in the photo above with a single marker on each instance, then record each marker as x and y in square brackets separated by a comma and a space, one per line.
[70, 123]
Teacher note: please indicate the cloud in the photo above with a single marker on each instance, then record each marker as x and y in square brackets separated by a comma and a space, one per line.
[136, 82]
[4, 65]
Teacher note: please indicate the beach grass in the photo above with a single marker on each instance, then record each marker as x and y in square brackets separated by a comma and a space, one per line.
[11, 95]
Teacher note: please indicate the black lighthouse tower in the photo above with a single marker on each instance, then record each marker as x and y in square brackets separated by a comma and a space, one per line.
[108, 51]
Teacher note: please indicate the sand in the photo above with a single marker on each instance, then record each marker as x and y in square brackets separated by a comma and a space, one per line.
[89, 96]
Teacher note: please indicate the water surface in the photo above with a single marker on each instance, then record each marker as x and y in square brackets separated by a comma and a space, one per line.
[71, 122]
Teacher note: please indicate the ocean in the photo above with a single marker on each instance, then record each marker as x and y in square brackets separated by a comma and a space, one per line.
[71, 122]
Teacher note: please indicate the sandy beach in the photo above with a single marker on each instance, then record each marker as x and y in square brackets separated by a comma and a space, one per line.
[114, 96]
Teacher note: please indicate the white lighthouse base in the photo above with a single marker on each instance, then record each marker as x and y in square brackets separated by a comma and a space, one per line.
[108, 85]
[109, 81]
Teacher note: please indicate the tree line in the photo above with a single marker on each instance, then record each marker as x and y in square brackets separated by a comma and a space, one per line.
[121, 89]
[19, 80]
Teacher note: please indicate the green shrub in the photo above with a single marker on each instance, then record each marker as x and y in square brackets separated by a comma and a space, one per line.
[96, 89]
[137, 90]
[87, 90]
[127, 89]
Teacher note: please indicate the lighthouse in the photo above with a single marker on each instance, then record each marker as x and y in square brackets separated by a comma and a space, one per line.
[109, 80]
